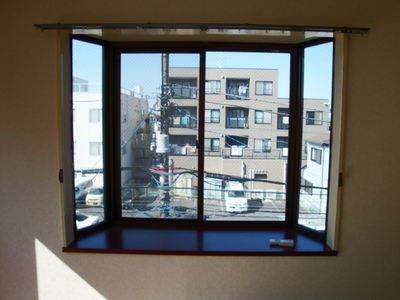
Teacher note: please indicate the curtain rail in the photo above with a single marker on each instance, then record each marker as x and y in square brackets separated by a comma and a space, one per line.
[59, 26]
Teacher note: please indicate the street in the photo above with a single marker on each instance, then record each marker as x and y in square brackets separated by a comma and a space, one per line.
[185, 208]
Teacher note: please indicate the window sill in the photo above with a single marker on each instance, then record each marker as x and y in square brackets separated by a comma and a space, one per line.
[216, 242]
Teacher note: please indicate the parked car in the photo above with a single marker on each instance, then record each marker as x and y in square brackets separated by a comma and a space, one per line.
[95, 196]
[83, 221]
[82, 186]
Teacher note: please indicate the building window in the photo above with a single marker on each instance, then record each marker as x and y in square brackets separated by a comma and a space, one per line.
[124, 115]
[211, 144]
[264, 88]
[308, 187]
[282, 142]
[96, 148]
[236, 118]
[213, 86]
[183, 140]
[95, 115]
[211, 116]
[316, 155]
[263, 117]
[236, 141]
[237, 89]
[260, 176]
[124, 147]
[314, 118]
[170, 188]
[283, 118]
[185, 117]
[184, 88]
[262, 145]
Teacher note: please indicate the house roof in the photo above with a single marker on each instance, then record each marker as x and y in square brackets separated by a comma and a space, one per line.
[322, 139]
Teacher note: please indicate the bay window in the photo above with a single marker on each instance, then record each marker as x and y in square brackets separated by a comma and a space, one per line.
[164, 169]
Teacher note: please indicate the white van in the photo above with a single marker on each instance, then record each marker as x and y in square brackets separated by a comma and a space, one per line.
[235, 199]
[95, 196]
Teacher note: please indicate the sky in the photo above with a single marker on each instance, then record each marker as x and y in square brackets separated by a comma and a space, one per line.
[144, 70]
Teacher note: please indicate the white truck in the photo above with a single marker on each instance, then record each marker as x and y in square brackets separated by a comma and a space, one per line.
[230, 194]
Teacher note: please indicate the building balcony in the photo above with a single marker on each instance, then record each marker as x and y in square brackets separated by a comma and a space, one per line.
[184, 92]
[231, 153]
[182, 122]
[237, 123]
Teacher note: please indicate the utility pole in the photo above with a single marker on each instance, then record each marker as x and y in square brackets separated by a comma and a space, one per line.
[165, 96]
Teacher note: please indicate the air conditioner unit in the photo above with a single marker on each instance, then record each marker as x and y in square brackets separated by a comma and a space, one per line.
[236, 151]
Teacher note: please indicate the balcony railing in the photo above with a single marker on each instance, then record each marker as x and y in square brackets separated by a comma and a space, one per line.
[237, 123]
[232, 153]
[237, 93]
[182, 150]
[185, 92]
[182, 122]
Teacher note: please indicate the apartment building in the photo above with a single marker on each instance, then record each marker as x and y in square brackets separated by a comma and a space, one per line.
[88, 129]
[246, 124]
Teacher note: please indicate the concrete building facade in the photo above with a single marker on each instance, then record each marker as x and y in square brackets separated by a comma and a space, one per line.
[246, 124]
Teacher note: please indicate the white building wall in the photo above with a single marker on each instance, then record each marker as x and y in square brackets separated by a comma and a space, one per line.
[317, 174]
[85, 131]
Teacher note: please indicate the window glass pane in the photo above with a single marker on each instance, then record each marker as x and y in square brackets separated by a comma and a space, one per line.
[316, 139]
[87, 104]
[283, 118]
[246, 179]
[263, 88]
[159, 94]
[213, 86]
[215, 116]
[263, 117]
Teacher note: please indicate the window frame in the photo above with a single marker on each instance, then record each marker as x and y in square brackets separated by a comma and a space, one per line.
[184, 84]
[313, 120]
[229, 95]
[97, 146]
[212, 147]
[281, 116]
[263, 117]
[264, 88]
[235, 111]
[217, 87]
[282, 140]
[316, 155]
[210, 118]
[107, 149]
[267, 149]
[95, 115]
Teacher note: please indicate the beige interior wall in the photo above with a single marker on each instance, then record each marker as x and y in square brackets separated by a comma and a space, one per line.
[32, 264]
